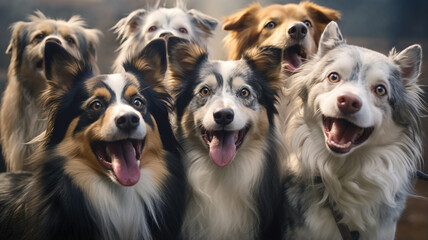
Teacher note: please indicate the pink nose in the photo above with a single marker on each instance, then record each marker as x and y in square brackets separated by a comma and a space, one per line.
[349, 103]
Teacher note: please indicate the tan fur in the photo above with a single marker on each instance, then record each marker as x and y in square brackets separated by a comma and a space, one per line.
[130, 91]
[103, 93]
[246, 27]
[22, 117]
[153, 156]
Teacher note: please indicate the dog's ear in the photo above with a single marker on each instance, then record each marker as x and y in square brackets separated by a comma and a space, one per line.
[241, 19]
[241, 35]
[61, 68]
[321, 16]
[17, 39]
[150, 65]
[330, 38]
[183, 56]
[409, 63]
[206, 23]
[266, 60]
[130, 24]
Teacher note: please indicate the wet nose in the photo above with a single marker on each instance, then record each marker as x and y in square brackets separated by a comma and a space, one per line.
[223, 116]
[349, 103]
[55, 40]
[128, 121]
[298, 31]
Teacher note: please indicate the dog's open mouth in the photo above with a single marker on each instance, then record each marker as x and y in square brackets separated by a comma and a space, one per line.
[294, 57]
[223, 144]
[342, 135]
[122, 157]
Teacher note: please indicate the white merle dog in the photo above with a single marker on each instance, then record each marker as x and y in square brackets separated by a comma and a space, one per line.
[143, 25]
[354, 138]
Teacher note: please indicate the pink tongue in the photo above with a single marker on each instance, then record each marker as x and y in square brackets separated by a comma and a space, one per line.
[292, 61]
[222, 147]
[124, 162]
[343, 132]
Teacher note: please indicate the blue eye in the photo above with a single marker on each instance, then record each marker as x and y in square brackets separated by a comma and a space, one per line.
[307, 23]
[271, 25]
[40, 36]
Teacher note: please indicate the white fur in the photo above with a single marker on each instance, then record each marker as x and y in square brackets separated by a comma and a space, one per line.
[116, 206]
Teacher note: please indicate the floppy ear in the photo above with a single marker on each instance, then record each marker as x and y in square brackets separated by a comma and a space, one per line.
[61, 68]
[241, 19]
[206, 23]
[93, 36]
[330, 38]
[409, 63]
[241, 31]
[16, 38]
[183, 56]
[129, 25]
[150, 65]
[266, 60]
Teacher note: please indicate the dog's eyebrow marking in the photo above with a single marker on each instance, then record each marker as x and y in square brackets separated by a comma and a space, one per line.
[104, 93]
[130, 91]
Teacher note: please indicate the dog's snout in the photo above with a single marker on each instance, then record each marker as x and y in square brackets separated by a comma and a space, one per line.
[55, 40]
[349, 103]
[298, 31]
[128, 121]
[165, 34]
[224, 116]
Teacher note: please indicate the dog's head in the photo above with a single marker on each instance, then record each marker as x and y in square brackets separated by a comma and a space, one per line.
[108, 123]
[223, 105]
[358, 97]
[296, 28]
[141, 26]
[28, 42]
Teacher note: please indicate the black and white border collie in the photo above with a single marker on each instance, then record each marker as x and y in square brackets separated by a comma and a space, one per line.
[109, 167]
[224, 119]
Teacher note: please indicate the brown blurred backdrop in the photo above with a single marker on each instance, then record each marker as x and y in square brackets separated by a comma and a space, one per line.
[378, 25]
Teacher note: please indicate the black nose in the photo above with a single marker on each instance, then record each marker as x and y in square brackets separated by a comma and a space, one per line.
[349, 103]
[128, 121]
[298, 31]
[223, 116]
[165, 34]
[55, 40]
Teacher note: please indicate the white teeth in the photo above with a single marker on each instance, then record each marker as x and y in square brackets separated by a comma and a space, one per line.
[135, 153]
[348, 144]
[138, 162]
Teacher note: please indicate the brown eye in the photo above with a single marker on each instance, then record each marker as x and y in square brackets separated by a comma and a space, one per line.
[96, 106]
[205, 91]
[380, 90]
[183, 30]
[271, 25]
[334, 77]
[138, 103]
[245, 92]
[152, 28]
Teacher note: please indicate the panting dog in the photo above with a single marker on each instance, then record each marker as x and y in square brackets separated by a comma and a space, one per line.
[143, 25]
[224, 117]
[22, 117]
[296, 28]
[110, 166]
[354, 133]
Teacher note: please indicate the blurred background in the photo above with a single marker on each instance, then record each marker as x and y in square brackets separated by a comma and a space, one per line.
[375, 24]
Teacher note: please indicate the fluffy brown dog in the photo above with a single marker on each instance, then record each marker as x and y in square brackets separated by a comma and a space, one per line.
[22, 117]
[296, 28]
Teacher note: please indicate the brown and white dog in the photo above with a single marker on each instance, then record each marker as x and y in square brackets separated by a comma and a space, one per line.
[22, 117]
[296, 28]
[143, 25]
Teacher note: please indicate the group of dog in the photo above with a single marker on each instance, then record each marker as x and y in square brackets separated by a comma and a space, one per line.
[297, 136]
